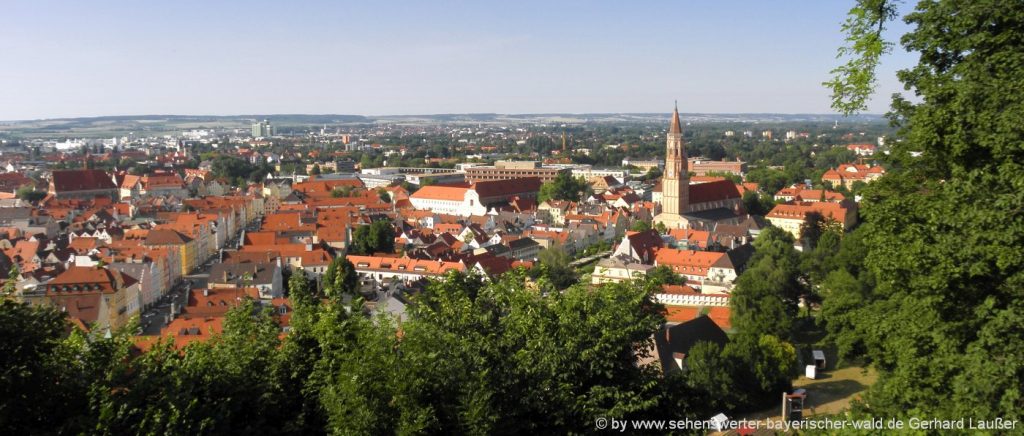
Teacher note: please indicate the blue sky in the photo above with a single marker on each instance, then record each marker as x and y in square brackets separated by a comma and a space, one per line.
[77, 58]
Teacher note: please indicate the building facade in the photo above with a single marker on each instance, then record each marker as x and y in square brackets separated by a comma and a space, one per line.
[675, 184]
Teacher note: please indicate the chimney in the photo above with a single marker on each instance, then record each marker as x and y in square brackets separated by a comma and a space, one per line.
[206, 292]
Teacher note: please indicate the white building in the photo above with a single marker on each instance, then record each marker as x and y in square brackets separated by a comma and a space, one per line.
[450, 200]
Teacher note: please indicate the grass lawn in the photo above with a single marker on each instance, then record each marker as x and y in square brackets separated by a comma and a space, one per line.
[835, 386]
[833, 390]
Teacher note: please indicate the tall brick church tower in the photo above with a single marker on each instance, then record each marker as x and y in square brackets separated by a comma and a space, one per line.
[675, 180]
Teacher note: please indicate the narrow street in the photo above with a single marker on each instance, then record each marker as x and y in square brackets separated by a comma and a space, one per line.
[159, 315]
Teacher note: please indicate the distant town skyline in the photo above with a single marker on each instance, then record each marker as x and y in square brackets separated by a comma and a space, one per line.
[71, 59]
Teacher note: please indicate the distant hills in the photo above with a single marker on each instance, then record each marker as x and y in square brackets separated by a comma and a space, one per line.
[163, 124]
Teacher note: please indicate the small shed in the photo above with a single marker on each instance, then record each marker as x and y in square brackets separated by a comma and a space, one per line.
[819, 358]
[719, 422]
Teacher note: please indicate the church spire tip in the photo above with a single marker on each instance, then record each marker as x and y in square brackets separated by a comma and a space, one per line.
[675, 127]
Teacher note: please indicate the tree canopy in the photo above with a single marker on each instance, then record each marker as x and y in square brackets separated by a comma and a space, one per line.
[936, 309]
[473, 357]
[378, 237]
[564, 187]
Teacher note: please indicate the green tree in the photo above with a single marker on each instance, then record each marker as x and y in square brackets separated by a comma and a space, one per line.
[378, 237]
[709, 370]
[342, 192]
[640, 226]
[661, 228]
[762, 366]
[757, 204]
[812, 228]
[820, 261]
[481, 359]
[31, 367]
[564, 187]
[943, 226]
[29, 194]
[346, 281]
[854, 82]
[11, 284]
[315, 170]
[663, 275]
[298, 287]
[766, 297]
[554, 265]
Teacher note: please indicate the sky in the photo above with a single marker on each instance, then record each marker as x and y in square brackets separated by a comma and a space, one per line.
[95, 58]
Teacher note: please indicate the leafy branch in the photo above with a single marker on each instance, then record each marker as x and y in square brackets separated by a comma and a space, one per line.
[854, 82]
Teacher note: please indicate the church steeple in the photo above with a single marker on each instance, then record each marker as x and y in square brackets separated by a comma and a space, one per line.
[675, 183]
[675, 127]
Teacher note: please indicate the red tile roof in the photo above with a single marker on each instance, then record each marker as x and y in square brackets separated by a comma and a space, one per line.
[166, 237]
[720, 315]
[81, 180]
[713, 191]
[88, 279]
[836, 211]
[506, 188]
[441, 192]
[405, 265]
[680, 314]
[687, 261]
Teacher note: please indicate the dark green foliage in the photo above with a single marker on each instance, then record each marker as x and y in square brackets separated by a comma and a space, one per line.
[939, 307]
[854, 82]
[640, 226]
[554, 265]
[222, 386]
[237, 170]
[298, 288]
[472, 358]
[815, 225]
[29, 194]
[34, 387]
[564, 187]
[498, 359]
[771, 180]
[765, 299]
[757, 204]
[821, 260]
[378, 237]
[663, 275]
[710, 370]
[764, 366]
[343, 191]
[341, 278]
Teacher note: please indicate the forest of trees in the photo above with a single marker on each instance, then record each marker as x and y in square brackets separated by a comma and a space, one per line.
[473, 358]
[928, 289]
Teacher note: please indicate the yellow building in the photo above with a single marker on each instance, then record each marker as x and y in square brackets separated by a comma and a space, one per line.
[185, 245]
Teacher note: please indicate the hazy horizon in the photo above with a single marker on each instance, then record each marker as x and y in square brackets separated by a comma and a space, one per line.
[119, 58]
[245, 115]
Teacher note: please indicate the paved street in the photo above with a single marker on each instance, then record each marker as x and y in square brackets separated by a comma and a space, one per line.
[588, 259]
[159, 315]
